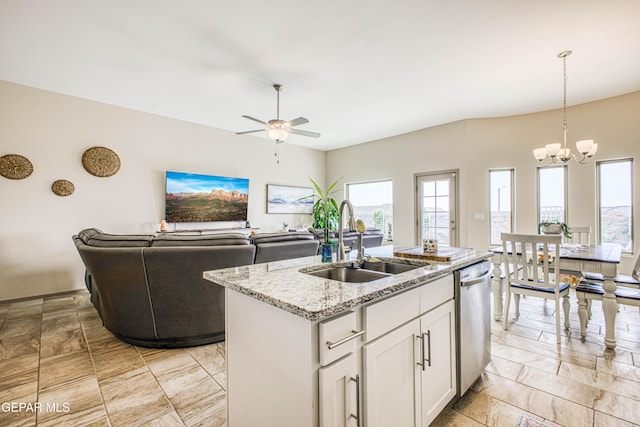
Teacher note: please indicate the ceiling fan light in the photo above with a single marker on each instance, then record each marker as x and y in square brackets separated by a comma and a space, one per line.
[584, 146]
[278, 133]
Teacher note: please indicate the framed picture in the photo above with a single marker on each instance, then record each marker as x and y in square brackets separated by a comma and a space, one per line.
[287, 199]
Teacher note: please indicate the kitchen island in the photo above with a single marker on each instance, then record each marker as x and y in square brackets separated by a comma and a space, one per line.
[304, 350]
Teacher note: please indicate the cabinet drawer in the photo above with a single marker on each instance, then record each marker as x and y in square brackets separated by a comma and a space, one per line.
[383, 316]
[331, 332]
[435, 293]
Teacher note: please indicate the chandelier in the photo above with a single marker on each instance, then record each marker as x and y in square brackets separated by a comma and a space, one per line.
[557, 153]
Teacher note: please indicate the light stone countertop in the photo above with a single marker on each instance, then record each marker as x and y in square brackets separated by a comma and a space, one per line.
[284, 284]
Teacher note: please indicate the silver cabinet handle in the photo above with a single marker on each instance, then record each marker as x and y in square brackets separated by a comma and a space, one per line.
[428, 359]
[425, 356]
[421, 362]
[357, 415]
[354, 334]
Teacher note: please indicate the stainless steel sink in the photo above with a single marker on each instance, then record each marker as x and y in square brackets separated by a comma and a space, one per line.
[388, 267]
[347, 274]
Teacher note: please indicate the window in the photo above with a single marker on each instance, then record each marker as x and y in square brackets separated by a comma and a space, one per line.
[501, 209]
[615, 202]
[552, 195]
[373, 203]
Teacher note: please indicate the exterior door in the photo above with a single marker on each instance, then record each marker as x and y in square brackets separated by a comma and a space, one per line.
[436, 202]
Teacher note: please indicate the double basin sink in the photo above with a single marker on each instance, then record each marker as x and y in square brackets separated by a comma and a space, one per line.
[367, 272]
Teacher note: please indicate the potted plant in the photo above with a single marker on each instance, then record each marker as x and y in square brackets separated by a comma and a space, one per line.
[554, 227]
[325, 208]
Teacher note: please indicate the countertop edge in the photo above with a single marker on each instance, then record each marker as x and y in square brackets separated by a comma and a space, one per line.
[311, 315]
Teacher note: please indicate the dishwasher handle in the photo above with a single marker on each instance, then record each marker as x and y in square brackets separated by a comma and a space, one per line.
[477, 280]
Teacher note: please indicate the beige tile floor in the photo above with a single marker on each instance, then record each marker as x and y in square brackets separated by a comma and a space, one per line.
[55, 353]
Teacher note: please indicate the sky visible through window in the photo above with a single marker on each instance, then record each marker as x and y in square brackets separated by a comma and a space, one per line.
[615, 181]
[371, 193]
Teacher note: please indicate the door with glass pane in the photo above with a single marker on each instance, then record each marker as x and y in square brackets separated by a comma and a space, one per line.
[436, 208]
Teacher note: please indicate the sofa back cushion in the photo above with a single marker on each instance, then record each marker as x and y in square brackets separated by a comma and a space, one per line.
[119, 290]
[224, 239]
[281, 246]
[281, 237]
[95, 237]
[184, 303]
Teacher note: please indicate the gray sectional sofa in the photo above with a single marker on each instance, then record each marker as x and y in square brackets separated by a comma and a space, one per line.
[149, 290]
[372, 237]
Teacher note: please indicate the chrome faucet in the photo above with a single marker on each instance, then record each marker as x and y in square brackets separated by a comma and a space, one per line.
[352, 227]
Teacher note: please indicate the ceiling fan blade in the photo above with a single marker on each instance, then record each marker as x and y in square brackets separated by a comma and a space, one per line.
[296, 122]
[250, 131]
[255, 120]
[305, 133]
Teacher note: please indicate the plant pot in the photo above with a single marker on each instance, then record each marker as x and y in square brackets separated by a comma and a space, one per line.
[551, 229]
[327, 252]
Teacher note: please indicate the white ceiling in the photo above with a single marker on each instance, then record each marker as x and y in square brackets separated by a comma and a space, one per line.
[359, 70]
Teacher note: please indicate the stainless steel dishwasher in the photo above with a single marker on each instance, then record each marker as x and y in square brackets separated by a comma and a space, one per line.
[473, 322]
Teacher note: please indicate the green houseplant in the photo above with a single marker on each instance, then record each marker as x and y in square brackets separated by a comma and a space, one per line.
[325, 208]
[560, 226]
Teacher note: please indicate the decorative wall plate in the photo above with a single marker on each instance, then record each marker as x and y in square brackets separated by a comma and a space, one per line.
[62, 187]
[15, 166]
[101, 161]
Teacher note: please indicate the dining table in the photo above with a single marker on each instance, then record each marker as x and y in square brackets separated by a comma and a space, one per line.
[574, 259]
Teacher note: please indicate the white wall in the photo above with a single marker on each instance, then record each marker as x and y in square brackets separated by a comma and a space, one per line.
[37, 255]
[474, 146]
[399, 158]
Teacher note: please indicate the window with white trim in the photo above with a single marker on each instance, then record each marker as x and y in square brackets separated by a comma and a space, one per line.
[552, 194]
[615, 202]
[373, 203]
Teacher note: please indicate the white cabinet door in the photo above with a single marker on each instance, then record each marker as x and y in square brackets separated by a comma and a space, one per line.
[339, 385]
[438, 381]
[391, 387]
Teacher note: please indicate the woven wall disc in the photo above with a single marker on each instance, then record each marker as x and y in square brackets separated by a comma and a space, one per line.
[62, 187]
[101, 161]
[15, 166]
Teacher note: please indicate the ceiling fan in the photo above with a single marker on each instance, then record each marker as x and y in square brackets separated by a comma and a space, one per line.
[279, 129]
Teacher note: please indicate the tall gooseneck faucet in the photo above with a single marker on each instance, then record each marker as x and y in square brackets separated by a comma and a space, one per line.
[352, 227]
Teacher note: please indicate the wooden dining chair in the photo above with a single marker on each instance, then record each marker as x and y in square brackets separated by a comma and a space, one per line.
[580, 235]
[541, 281]
[630, 281]
[591, 288]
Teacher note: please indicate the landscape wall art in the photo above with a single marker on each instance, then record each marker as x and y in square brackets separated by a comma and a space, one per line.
[287, 199]
[205, 198]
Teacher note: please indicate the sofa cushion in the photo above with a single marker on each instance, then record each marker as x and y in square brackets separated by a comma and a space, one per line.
[223, 239]
[95, 237]
[281, 237]
[88, 233]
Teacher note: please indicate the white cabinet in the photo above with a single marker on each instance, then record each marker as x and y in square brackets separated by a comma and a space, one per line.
[391, 379]
[438, 370]
[339, 393]
[410, 372]
[388, 363]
